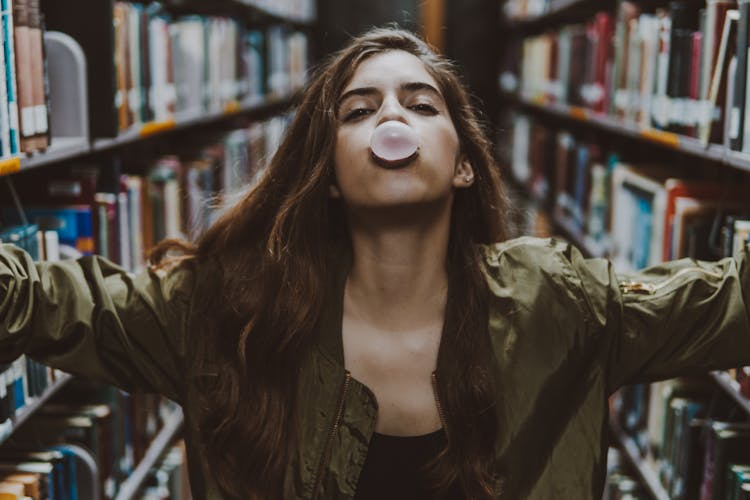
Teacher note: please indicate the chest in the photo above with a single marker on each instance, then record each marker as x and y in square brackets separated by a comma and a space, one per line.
[397, 368]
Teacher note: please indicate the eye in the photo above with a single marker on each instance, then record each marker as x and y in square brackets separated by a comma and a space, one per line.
[356, 113]
[423, 108]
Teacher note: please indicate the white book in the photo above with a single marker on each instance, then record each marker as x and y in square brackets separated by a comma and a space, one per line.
[135, 222]
[134, 47]
[172, 212]
[648, 27]
[123, 227]
[52, 246]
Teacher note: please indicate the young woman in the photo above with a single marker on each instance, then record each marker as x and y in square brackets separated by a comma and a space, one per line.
[359, 326]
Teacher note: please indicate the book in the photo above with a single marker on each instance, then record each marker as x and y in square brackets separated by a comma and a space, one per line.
[38, 76]
[712, 123]
[737, 116]
[11, 77]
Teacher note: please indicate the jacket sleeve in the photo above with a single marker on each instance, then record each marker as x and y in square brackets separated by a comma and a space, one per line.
[677, 318]
[90, 317]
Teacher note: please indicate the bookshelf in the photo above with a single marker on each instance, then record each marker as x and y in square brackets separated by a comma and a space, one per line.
[251, 82]
[645, 472]
[600, 136]
[169, 431]
[684, 144]
[154, 129]
[27, 411]
[68, 149]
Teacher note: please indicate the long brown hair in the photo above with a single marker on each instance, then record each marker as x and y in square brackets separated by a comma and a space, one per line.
[259, 309]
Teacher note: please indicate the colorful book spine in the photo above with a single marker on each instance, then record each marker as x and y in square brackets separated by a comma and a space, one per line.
[10, 74]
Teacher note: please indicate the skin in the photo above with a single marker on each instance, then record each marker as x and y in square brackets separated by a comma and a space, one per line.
[399, 219]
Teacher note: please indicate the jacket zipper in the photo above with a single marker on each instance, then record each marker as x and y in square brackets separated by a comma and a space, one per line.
[639, 288]
[331, 434]
[437, 402]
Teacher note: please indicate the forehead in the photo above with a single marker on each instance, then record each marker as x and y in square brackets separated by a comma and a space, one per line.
[390, 68]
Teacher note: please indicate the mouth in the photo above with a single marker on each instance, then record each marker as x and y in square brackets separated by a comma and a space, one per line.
[394, 164]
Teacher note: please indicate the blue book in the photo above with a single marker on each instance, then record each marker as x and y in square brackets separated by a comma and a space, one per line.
[10, 73]
[74, 224]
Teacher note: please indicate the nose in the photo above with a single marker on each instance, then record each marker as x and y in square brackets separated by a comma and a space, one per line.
[391, 109]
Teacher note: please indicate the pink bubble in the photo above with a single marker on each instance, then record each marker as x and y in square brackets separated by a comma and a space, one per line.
[394, 140]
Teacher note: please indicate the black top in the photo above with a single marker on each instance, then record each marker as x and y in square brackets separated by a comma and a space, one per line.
[393, 467]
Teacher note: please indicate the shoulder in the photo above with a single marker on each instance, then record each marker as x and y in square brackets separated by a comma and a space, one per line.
[530, 252]
[532, 270]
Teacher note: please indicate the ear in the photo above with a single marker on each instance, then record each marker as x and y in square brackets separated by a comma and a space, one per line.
[463, 177]
[333, 191]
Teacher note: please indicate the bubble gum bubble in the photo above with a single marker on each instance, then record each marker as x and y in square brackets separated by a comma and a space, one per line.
[394, 140]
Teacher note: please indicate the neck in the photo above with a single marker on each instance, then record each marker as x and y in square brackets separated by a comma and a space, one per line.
[398, 278]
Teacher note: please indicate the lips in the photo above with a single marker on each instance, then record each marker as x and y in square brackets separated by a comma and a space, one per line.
[394, 164]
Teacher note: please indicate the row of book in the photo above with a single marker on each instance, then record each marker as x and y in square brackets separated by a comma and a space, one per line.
[167, 67]
[87, 209]
[24, 113]
[169, 479]
[680, 69]
[85, 443]
[23, 381]
[154, 66]
[638, 213]
[693, 439]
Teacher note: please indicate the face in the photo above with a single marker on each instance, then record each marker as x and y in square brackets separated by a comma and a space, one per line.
[395, 85]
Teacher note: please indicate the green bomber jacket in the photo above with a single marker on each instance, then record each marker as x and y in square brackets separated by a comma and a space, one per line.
[566, 332]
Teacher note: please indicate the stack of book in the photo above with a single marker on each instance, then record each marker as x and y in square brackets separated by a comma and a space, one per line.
[87, 425]
[696, 444]
[637, 213]
[678, 68]
[24, 111]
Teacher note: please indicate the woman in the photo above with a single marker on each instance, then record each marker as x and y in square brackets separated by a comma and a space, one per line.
[359, 327]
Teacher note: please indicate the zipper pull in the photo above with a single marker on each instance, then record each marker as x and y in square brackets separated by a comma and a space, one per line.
[635, 287]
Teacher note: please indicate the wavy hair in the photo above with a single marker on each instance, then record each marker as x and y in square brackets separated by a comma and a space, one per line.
[259, 310]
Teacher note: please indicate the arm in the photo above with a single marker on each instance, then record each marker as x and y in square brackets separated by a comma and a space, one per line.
[677, 318]
[92, 318]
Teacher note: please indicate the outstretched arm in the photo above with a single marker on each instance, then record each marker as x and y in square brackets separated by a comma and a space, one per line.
[91, 317]
[677, 318]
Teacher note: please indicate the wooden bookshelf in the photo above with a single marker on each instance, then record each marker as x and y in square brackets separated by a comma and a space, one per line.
[172, 427]
[27, 411]
[689, 145]
[184, 122]
[63, 150]
[646, 473]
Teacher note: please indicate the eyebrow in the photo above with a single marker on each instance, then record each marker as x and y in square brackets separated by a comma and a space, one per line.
[408, 86]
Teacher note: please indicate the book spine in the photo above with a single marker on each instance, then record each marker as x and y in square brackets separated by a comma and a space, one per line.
[38, 75]
[4, 103]
[737, 116]
[10, 75]
[24, 75]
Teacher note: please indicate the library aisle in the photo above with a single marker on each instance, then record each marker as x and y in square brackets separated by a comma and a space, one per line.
[622, 126]
[623, 130]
